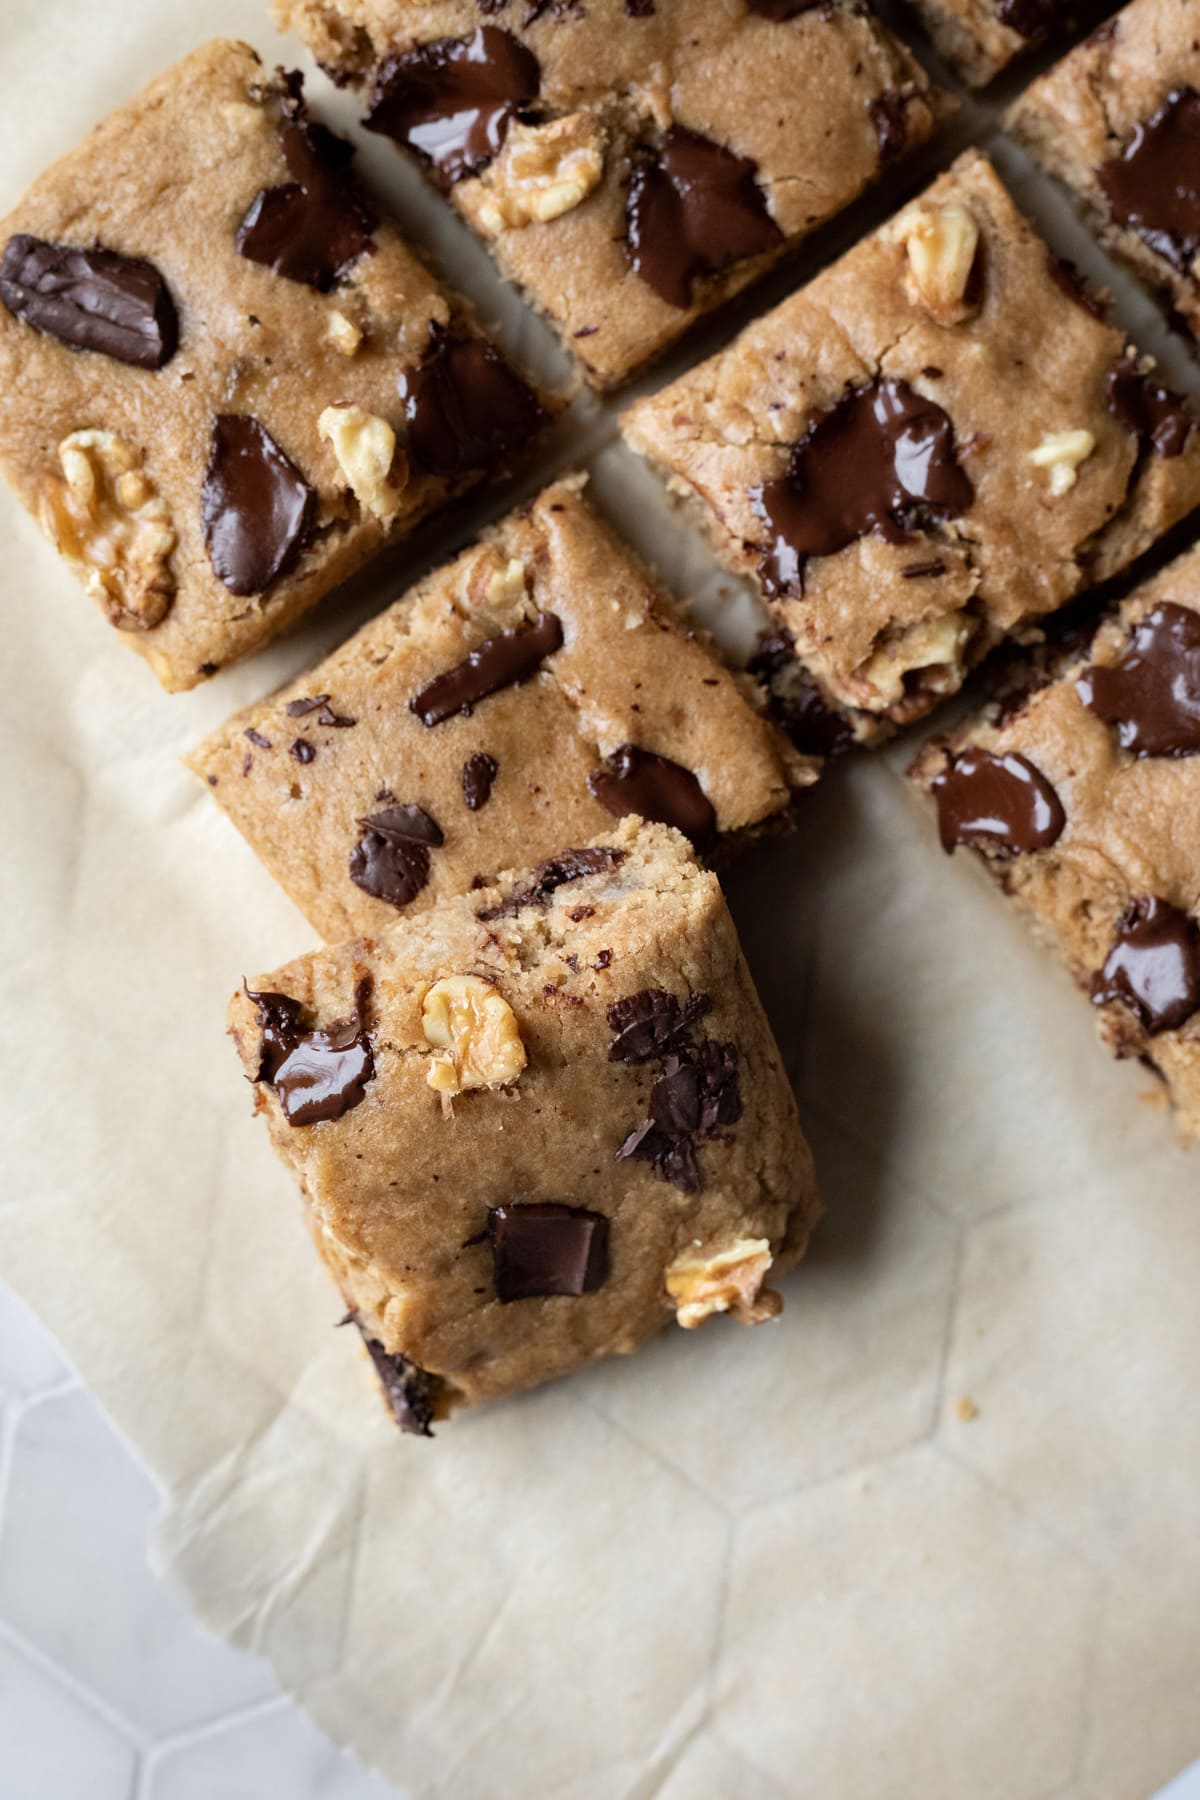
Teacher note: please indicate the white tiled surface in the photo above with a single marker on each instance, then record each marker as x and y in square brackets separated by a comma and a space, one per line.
[109, 1689]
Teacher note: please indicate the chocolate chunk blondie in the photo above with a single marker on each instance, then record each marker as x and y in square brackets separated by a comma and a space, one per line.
[1119, 122]
[631, 164]
[534, 1124]
[936, 443]
[516, 700]
[1082, 797]
[981, 37]
[224, 380]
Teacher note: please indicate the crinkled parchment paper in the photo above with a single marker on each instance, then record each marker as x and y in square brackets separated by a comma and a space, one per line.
[746, 1563]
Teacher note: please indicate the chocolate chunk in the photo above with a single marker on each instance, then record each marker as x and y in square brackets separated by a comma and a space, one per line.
[1159, 418]
[556, 872]
[640, 9]
[497, 663]
[256, 737]
[303, 751]
[1065, 275]
[391, 859]
[1151, 694]
[794, 699]
[693, 209]
[255, 506]
[296, 709]
[91, 299]
[316, 1074]
[651, 1023]
[546, 1248]
[466, 408]
[997, 802]
[889, 115]
[337, 721]
[1028, 18]
[634, 781]
[1153, 187]
[281, 1021]
[453, 100]
[1153, 965]
[408, 1390]
[478, 773]
[316, 226]
[881, 459]
[695, 1098]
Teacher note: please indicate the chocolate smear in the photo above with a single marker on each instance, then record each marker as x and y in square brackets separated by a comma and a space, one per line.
[316, 1075]
[881, 459]
[545, 881]
[544, 1249]
[391, 858]
[315, 227]
[497, 663]
[1151, 694]
[256, 508]
[478, 774]
[634, 781]
[1153, 187]
[694, 208]
[1153, 965]
[997, 803]
[91, 299]
[466, 407]
[1161, 420]
[453, 100]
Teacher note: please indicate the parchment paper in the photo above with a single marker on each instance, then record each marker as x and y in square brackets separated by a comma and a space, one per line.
[742, 1564]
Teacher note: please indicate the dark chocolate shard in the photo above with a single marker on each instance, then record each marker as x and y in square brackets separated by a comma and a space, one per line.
[1151, 694]
[1153, 186]
[314, 228]
[92, 299]
[634, 781]
[545, 1249]
[545, 881]
[1153, 966]
[281, 1021]
[795, 700]
[889, 115]
[408, 1390]
[391, 859]
[497, 663]
[693, 209]
[697, 1097]
[466, 407]
[316, 1075]
[999, 803]
[452, 100]
[1160, 419]
[478, 774]
[256, 508]
[651, 1023]
[881, 459]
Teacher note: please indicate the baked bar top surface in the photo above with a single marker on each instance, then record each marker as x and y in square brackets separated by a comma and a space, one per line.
[631, 165]
[402, 1188]
[981, 37]
[937, 441]
[617, 708]
[219, 427]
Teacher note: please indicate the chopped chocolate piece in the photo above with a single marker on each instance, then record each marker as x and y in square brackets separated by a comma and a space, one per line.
[336, 721]
[391, 859]
[547, 1249]
[697, 1094]
[651, 1023]
[554, 873]
[282, 1022]
[997, 802]
[1151, 694]
[466, 408]
[795, 700]
[1153, 966]
[316, 226]
[91, 299]
[926, 571]
[634, 781]
[478, 774]
[889, 115]
[1153, 187]
[882, 459]
[316, 1074]
[640, 9]
[303, 751]
[407, 1389]
[497, 663]
[296, 709]
[694, 208]
[453, 100]
[257, 738]
[1161, 419]
[255, 506]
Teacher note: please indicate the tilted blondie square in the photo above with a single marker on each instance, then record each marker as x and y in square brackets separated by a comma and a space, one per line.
[535, 1124]
[936, 443]
[1119, 122]
[513, 702]
[1082, 797]
[632, 163]
[225, 382]
[981, 37]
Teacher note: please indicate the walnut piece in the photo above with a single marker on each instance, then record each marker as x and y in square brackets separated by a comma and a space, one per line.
[931, 644]
[365, 448]
[1062, 452]
[729, 1281]
[474, 1029]
[344, 334]
[109, 522]
[542, 172]
[941, 243]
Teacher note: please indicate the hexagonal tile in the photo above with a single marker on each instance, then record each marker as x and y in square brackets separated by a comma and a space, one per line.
[932, 1641]
[55, 1747]
[276, 1752]
[880, 1273]
[74, 1579]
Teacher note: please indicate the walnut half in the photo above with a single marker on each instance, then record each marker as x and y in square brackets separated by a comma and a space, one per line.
[474, 1029]
[729, 1280]
[108, 521]
[542, 172]
[941, 243]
